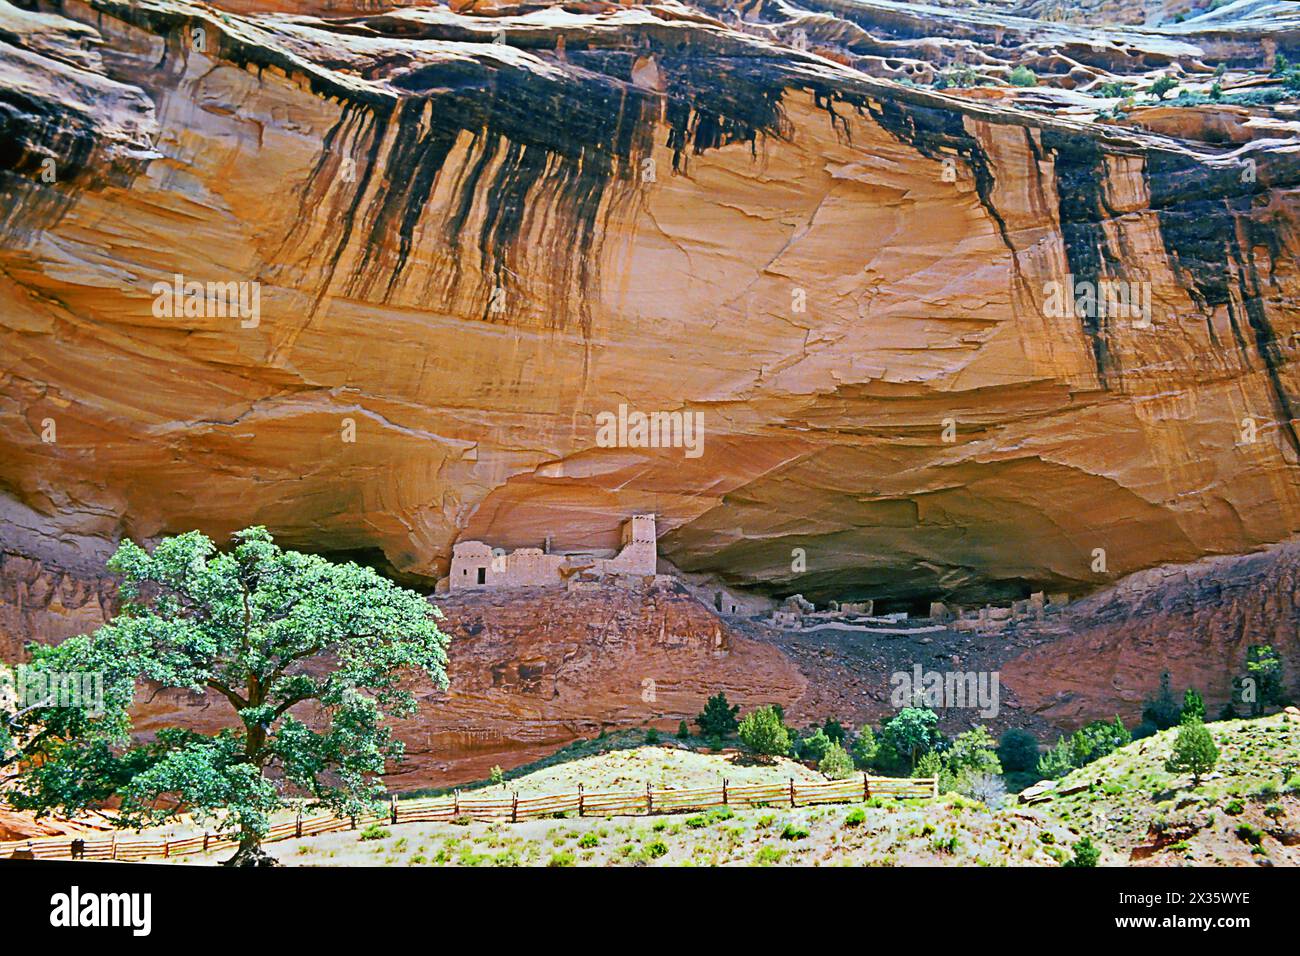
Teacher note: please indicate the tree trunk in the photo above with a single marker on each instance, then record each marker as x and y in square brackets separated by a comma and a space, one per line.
[250, 852]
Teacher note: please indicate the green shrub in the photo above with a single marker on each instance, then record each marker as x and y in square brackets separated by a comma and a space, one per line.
[1144, 730]
[857, 816]
[1085, 854]
[497, 776]
[1162, 86]
[813, 747]
[1249, 834]
[375, 832]
[652, 736]
[1113, 90]
[764, 732]
[1097, 739]
[1234, 808]
[1023, 76]
[833, 729]
[793, 831]
[1193, 706]
[656, 849]
[1018, 750]
[683, 731]
[588, 840]
[1057, 762]
[836, 764]
[564, 858]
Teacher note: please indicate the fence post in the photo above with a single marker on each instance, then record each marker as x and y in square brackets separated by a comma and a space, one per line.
[866, 786]
[792, 791]
[581, 801]
[724, 791]
[935, 792]
[297, 826]
[514, 807]
[113, 853]
[205, 841]
[392, 807]
[649, 799]
[455, 806]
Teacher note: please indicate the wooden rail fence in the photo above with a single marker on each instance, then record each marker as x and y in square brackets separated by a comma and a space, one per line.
[506, 808]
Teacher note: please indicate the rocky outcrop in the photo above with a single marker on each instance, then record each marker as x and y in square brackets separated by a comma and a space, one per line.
[465, 250]
[1106, 654]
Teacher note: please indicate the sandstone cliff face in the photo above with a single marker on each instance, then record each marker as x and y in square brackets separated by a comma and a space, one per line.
[468, 249]
[535, 669]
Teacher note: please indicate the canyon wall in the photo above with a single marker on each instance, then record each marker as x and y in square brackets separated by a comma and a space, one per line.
[465, 250]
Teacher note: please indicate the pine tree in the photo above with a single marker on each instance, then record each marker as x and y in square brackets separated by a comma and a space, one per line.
[1194, 752]
[718, 719]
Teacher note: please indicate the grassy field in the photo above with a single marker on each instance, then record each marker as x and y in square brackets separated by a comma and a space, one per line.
[623, 761]
[1246, 811]
[881, 831]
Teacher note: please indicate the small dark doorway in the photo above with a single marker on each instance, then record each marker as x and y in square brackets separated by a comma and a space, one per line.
[482, 575]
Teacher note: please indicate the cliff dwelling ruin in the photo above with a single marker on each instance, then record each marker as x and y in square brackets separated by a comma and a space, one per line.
[477, 565]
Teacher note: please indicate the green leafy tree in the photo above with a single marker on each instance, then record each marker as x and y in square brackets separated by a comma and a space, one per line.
[1193, 752]
[1018, 750]
[912, 731]
[932, 764]
[718, 719]
[814, 746]
[1264, 667]
[973, 752]
[1162, 709]
[1057, 762]
[865, 747]
[1193, 706]
[683, 731]
[834, 730]
[264, 630]
[836, 764]
[1097, 739]
[763, 730]
[1280, 65]
[38, 717]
